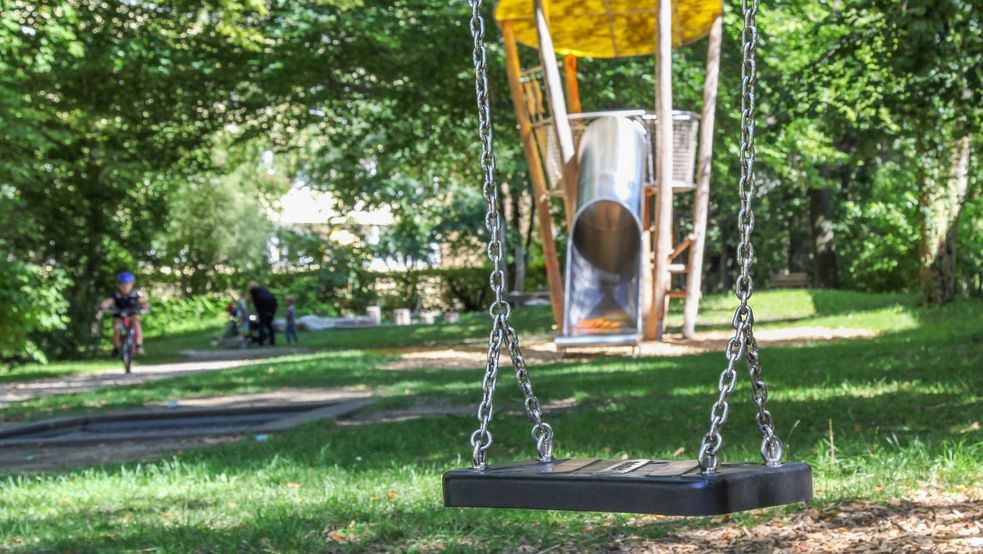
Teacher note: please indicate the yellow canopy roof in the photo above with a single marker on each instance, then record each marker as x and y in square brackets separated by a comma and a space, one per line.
[608, 28]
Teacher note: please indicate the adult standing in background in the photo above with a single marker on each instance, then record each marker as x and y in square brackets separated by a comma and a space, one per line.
[265, 304]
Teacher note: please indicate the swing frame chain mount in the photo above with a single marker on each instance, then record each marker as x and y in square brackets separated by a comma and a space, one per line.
[743, 343]
[500, 310]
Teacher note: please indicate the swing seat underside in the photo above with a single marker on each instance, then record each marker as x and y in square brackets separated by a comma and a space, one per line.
[631, 486]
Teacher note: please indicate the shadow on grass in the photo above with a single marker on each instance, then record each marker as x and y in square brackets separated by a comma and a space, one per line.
[900, 407]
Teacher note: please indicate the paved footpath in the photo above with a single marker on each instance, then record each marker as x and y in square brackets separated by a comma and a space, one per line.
[85, 382]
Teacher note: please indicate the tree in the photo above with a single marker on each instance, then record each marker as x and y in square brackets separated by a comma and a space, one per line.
[113, 106]
[943, 195]
[216, 224]
[914, 71]
[33, 303]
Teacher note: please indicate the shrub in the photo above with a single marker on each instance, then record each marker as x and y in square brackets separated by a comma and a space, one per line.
[33, 303]
[173, 314]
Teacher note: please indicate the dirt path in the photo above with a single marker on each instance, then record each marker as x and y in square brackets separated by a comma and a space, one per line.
[543, 351]
[467, 357]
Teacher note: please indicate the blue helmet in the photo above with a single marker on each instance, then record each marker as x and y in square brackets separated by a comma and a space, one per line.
[125, 277]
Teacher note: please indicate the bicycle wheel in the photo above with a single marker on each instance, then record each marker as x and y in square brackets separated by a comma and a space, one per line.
[128, 352]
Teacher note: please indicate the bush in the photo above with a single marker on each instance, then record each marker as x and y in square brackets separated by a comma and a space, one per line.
[887, 264]
[172, 315]
[331, 293]
[323, 293]
[462, 288]
[308, 290]
[33, 303]
[466, 289]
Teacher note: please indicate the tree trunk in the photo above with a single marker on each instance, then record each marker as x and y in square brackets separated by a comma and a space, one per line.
[519, 211]
[519, 276]
[530, 230]
[723, 272]
[939, 206]
[823, 239]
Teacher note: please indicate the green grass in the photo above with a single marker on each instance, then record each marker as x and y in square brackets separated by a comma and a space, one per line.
[901, 408]
[772, 308]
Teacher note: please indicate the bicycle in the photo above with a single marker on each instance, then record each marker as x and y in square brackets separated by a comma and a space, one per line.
[127, 334]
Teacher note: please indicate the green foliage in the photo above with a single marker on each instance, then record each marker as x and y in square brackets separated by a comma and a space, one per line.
[215, 224]
[464, 288]
[335, 288]
[886, 88]
[113, 104]
[33, 302]
[172, 315]
[133, 138]
[971, 244]
[324, 277]
[467, 288]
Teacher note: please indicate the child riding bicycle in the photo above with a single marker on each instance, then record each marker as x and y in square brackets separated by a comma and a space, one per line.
[127, 301]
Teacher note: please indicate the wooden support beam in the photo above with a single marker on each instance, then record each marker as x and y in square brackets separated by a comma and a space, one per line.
[663, 206]
[648, 263]
[573, 87]
[540, 189]
[558, 109]
[681, 247]
[701, 198]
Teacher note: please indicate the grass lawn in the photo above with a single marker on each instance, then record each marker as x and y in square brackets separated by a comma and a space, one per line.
[784, 307]
[876, 419]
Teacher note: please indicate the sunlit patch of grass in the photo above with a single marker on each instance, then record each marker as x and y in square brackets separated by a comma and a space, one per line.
[876, 418]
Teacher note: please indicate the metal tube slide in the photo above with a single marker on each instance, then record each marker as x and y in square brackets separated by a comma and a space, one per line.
[603, 269]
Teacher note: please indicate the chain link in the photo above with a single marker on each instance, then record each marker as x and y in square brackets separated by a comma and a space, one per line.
[500, 309]
[743, 343]
[542, 433]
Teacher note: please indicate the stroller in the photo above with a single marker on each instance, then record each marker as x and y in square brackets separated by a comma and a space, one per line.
[251, 334]
[232, 335]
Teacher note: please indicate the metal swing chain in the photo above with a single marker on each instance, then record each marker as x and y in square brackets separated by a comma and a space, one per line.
[500, 310]
[743, 343]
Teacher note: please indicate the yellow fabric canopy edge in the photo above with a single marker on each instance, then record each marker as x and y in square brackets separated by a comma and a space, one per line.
[608, 28]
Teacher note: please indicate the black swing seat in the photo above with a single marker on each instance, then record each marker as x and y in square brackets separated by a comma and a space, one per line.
[632, 486]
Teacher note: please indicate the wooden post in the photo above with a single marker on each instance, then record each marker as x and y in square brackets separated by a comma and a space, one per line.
[648, 261]
[540, 190]
[573, 88]
[663, 205]
[558, 110]
[701, 196]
